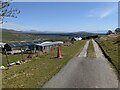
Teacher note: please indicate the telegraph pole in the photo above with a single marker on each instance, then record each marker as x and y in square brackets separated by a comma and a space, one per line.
[22, 53]
[6, 56]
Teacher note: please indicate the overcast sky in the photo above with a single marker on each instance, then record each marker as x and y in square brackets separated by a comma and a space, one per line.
[65, 16]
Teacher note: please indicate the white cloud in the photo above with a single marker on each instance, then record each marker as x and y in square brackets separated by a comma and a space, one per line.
[18, 27]
[106, 13]
[102, 12]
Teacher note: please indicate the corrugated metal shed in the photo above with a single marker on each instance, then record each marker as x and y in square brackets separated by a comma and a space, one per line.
[20, 44]
[30, 43]
[23, 43]
[49, 43]
[37, 42]
[2, 45]
[58, 42]
[16, 44]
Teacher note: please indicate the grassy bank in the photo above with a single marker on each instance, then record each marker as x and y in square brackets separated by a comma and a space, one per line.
[111, 46]
[40, 69]
[90, 50]
[12, 58]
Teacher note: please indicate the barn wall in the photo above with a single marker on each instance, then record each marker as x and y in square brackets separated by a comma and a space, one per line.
[7, 47]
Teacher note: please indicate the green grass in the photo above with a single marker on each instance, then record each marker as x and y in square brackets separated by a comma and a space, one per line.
[0, 59]
[90, 50]
[40, 69]
[8, 35]
[12, 58]
[111, 48]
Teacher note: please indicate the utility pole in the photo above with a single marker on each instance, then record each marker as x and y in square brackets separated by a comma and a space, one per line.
[6, 56]
[22, 53]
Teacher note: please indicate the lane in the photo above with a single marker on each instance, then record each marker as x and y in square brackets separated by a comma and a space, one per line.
[83, 72]
[98, 52]
[84, 51]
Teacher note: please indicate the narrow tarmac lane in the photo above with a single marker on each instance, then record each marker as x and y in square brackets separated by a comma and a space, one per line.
[83, 72]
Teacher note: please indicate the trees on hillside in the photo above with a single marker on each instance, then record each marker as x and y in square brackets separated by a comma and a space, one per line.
[7, 11]
[109, 32]
[117, 30]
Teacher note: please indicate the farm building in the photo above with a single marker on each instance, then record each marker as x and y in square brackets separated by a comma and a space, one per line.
[40, 46]
[77, 38]
[12, 47]
[17, 46]
[26, 47]
[1, 46]
[46, 46]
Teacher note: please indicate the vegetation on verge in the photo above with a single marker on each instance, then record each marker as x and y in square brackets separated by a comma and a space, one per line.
[12, 58]
[90, 50]
[111, 45]
[36, 72]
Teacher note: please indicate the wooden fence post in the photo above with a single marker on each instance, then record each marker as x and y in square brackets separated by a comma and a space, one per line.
[22, 53]
[6, 56]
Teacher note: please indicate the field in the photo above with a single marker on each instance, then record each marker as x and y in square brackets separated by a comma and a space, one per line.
[12, 35]
[111, 45]
[36, 72]
[12, 58]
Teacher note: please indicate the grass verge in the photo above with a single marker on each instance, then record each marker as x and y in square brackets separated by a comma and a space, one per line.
[90, 50]
[12, 58]
[40, 69]
[111, 49]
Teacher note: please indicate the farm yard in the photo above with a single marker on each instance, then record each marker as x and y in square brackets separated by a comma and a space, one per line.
[39, 62]
[19, 51]
[39, 69]
[59, 45]
[12, 58]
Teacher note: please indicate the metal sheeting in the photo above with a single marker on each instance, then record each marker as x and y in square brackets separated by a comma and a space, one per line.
[16, 44]
[23, 43]
[58, 42]
[20, 44]
[30, 43]
[38, 43]
[49, 43]
[2, 45]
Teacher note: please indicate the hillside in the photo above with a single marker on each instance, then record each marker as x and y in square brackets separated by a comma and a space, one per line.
[73, 34]
[111, 46]
[12, 35]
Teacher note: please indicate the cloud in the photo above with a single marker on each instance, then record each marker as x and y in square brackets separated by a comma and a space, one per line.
[106, 13]
[102, 12]
[18, 27]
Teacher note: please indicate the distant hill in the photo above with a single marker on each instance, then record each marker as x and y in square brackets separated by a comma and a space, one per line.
[73, 34]
[9, 35]
[12, 35]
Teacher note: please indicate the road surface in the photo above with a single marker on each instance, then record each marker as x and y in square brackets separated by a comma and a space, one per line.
[83, 72]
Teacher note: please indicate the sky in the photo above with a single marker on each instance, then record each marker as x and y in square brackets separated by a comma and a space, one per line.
[66, 0]
[64, 16]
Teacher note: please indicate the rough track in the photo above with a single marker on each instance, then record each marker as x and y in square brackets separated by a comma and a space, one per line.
[83, 72]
